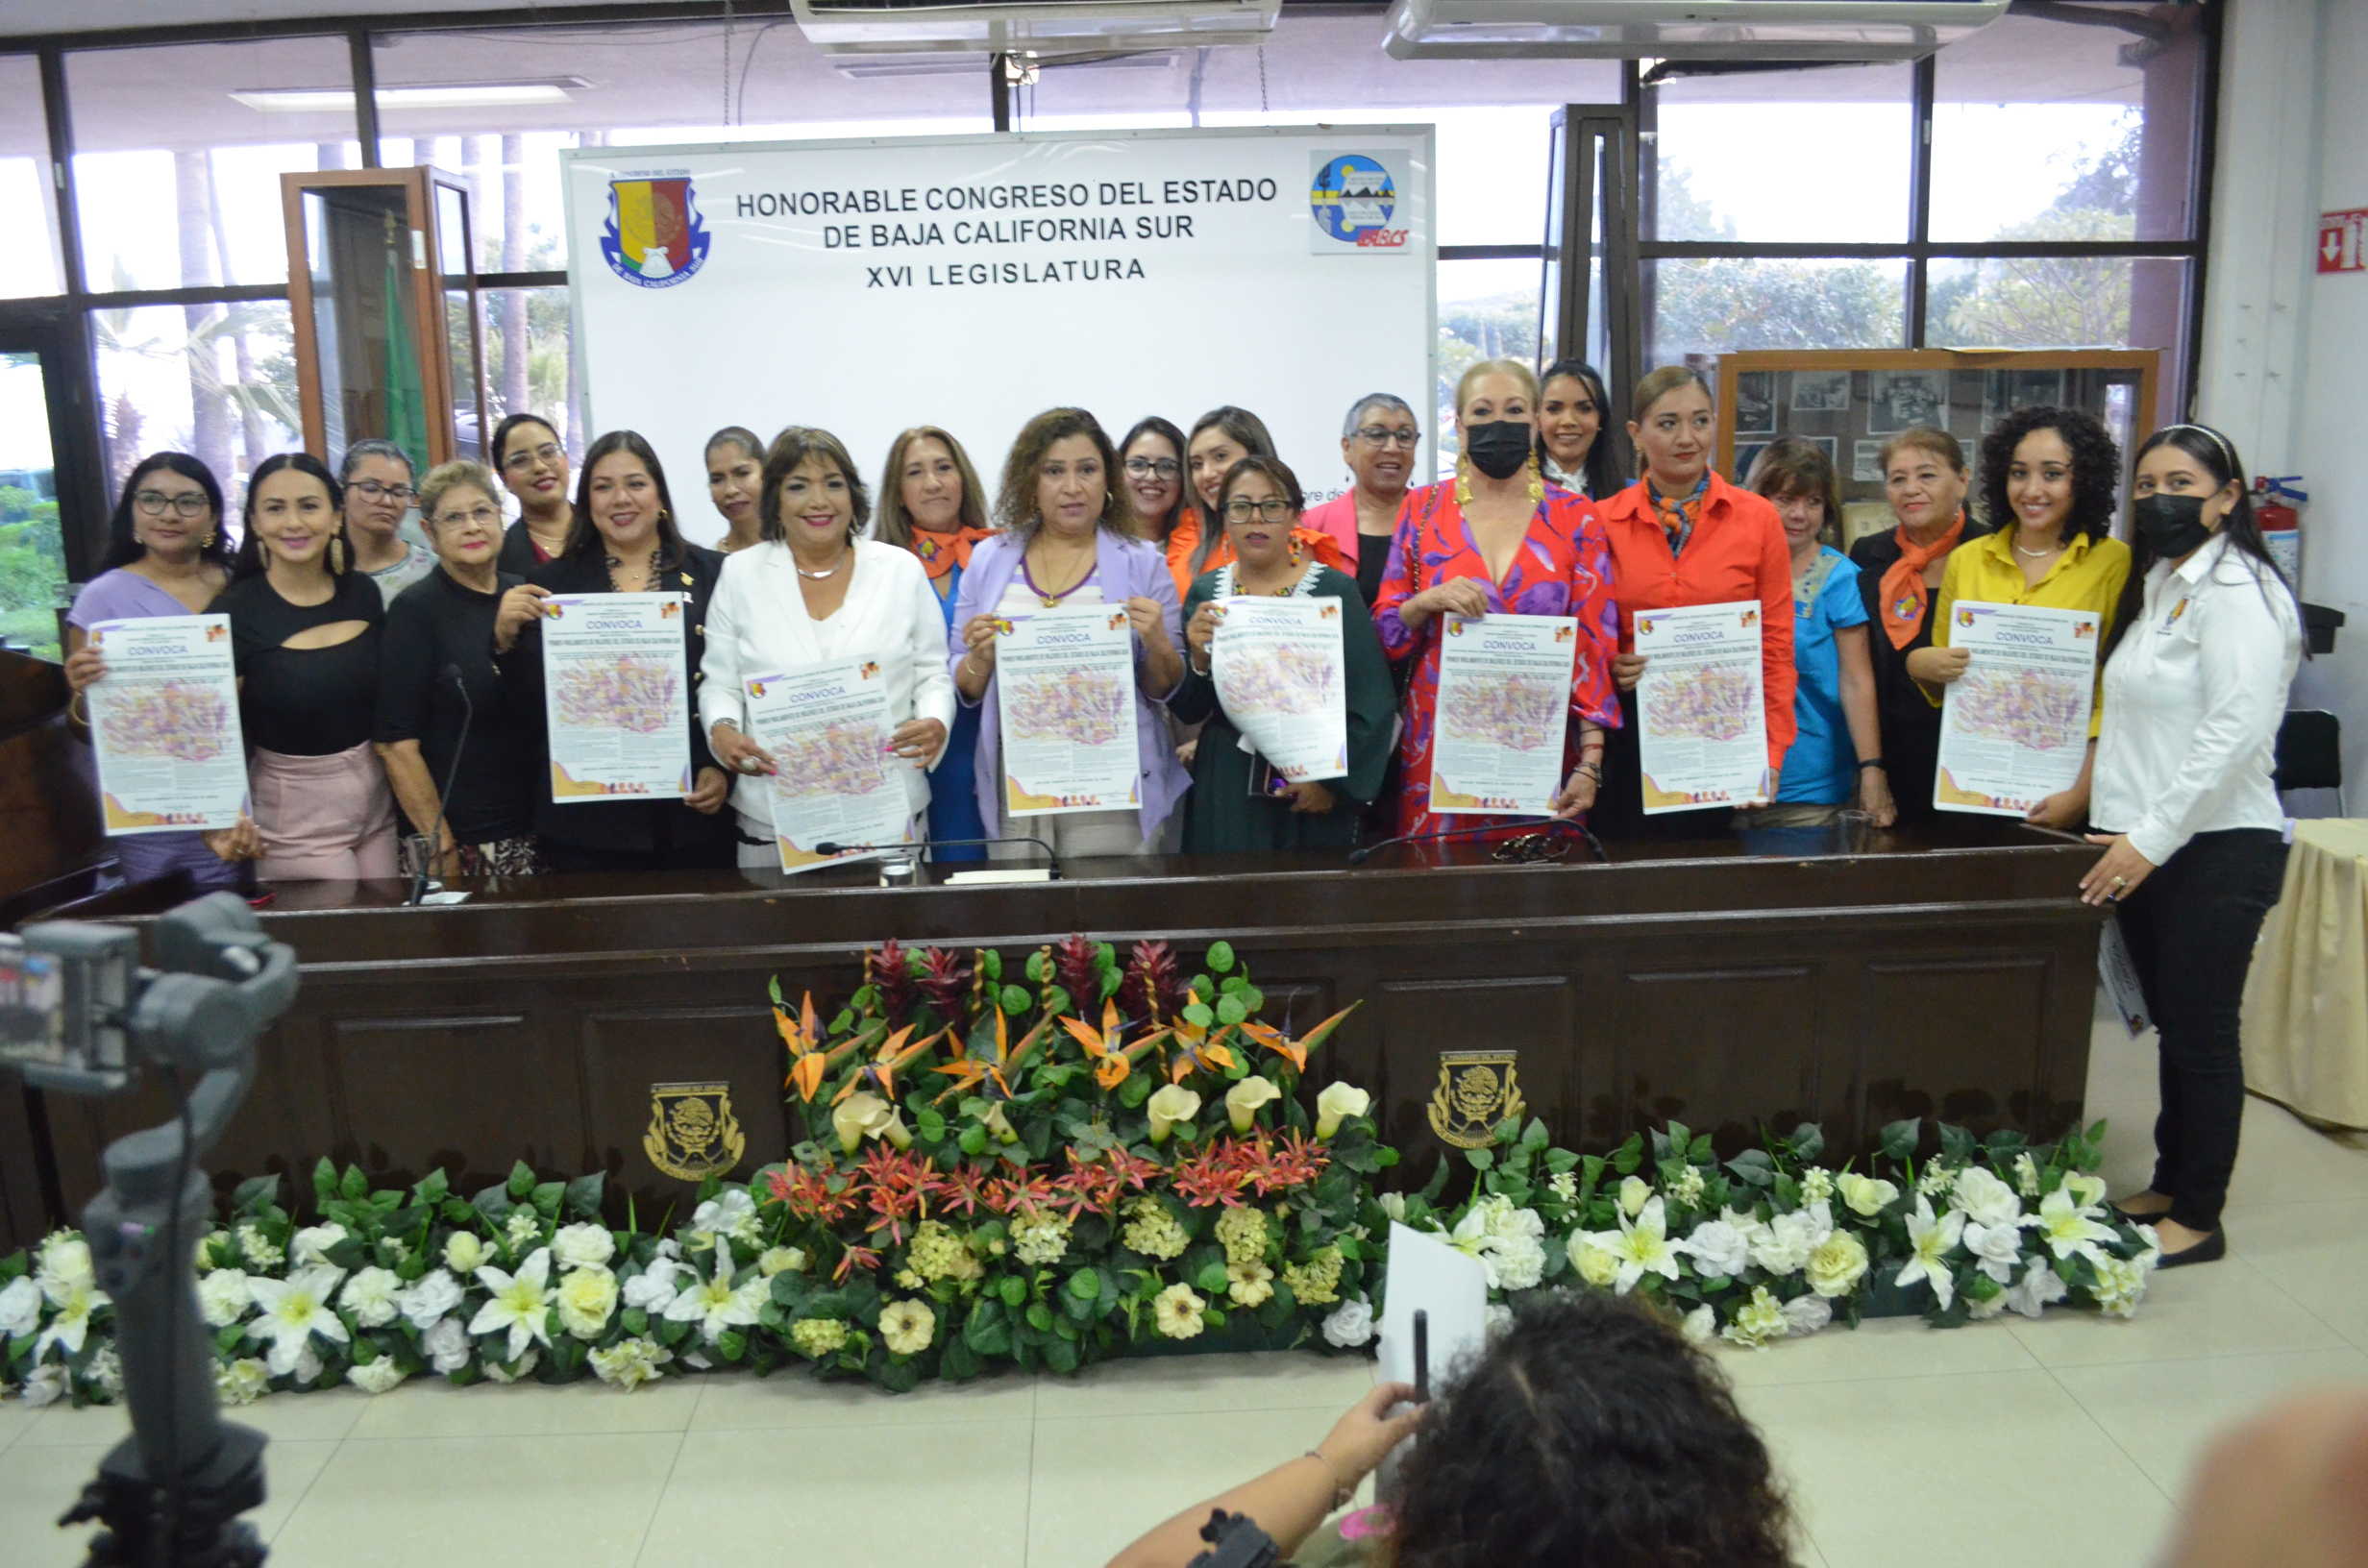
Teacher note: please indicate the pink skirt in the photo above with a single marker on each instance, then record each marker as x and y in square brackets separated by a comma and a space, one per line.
[323, 819]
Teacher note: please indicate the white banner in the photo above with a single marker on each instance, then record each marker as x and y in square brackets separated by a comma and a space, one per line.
[1504, 710]
[1065, 684]
[973, 281]
[616, 699]
[164, 724]
[2015, 726]
[1701, 710]
[827, 729]
[1282, 674]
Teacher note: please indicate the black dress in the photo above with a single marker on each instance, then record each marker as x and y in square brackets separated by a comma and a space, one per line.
[1909, 724]
[434, 626]
[624, 834]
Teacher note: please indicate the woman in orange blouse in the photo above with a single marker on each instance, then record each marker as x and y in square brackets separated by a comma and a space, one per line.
[1221, 438]
[1495, 540]
[1684, 535]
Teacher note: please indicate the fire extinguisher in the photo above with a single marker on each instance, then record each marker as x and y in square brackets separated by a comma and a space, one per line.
[2277, 505]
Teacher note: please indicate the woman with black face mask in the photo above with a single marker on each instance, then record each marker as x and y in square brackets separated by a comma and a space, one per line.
[1495, 540]
[2196, 668]
[1683, 535]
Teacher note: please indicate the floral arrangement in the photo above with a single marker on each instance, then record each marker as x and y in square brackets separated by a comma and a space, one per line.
[1773, 1244]
[1054, 1163]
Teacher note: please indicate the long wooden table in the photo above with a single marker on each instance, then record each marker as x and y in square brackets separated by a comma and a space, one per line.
[1731, 985]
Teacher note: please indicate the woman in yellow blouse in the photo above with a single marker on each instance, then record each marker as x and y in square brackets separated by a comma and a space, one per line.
[2048, 477]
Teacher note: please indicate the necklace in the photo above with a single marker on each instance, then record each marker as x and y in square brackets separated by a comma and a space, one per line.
[2036, 553]
[1028, 577]
[649, 569]
[816, 576]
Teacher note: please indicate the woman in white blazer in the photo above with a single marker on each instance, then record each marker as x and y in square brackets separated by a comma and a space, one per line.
[813, 593]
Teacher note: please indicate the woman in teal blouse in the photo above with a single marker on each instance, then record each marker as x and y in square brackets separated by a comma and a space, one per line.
[1260, 503]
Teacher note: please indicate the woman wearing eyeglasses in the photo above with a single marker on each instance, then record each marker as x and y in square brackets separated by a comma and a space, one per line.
[438, 685]
[1229, 811]
[1152, 464]
[1379, 441]
[377, 476]
[533, 468]
[165, 555]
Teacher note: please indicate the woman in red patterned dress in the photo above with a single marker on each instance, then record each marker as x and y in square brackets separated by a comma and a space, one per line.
[1497, 540]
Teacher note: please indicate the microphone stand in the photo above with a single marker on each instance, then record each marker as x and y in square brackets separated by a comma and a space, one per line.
[452, 772]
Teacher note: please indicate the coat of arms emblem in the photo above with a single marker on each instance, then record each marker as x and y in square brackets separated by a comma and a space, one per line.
[693, 1134]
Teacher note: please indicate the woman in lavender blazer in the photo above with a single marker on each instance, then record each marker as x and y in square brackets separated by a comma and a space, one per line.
[1070, 539]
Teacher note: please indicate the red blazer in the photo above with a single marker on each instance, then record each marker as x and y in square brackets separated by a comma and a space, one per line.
[1738, 552]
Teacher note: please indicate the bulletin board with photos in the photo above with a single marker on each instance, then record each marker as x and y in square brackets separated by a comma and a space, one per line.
[1850, 402]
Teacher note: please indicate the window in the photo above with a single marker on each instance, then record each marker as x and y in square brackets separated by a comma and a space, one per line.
[1709, 306]
[31, 550]
[178, 153]
[530, 367]
[1760, 157]
[29, 262]
[217, 381]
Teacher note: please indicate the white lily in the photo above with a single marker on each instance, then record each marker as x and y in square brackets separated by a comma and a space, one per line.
[1641, 1245]
[521, 1303]
[293, 1310]
[1929, 1241]
[2068, 1227]
[715, 1304]
[75, 1300]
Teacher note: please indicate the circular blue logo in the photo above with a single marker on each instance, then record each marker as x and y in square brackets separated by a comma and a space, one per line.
[1352, 197]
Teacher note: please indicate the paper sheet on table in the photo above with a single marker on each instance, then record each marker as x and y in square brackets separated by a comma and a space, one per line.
[1425, 1272]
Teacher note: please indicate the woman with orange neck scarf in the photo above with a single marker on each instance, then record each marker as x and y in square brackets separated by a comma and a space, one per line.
[1899, 575]
[1683, 535]
[930, 503]
[1221, 438]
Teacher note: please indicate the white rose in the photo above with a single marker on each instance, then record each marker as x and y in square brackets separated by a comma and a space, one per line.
[20, 1307]
[243, 1381]
[1338, 1103]
[1349, 1325]
[1984, 1199]
[1788, 1241]
[1807, 1315]
[1243, 1101]
[653, 1289]
[65, 1258]
[2040, 1287]
[464, 1254]
[1717, 1247]
[780, 1261]
[588, 1297]
[1634, 1192]
[582, 1247]
[1598, 1266]
[223, 1297]
[427, 1299]
[1169, 1107]
[446, 1345]
[370, 1296]
[1700, 1325]
[1835, 1264]
[1864, 1196]
[311, 1244]
[1997, 1248]
[376, 1377]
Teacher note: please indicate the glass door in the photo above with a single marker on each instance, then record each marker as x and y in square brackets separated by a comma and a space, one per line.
[33, 543]
[1587, 292]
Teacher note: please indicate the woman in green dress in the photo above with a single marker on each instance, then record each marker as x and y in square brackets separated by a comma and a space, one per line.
[1238, 802]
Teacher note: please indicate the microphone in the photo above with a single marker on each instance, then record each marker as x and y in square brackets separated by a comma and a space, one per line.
[831, 846]
[452, 772]
[1548, 824]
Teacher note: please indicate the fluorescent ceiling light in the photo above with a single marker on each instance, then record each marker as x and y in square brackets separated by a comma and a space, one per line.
[454, 95]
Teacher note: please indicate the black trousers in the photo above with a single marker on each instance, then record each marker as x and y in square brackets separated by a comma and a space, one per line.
[1618, 812]
[2190, 928]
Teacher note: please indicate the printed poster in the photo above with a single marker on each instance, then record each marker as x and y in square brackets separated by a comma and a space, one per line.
[1281, 672]
[1065, 679]
[1503, 709]
[2015, 726]
[616, 697]
[164, 725]
[1701, 716]
[837, 780]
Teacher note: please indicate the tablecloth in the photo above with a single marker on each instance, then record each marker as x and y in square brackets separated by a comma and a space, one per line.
[2306, 1020]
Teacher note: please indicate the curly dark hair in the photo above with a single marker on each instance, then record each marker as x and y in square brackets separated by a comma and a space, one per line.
[2096, 467]
[1589, 1432]
[1015, 501]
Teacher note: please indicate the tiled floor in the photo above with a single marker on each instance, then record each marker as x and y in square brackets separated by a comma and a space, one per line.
[1900, 1444]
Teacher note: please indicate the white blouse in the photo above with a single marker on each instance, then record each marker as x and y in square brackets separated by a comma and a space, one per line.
[758, 624]
[2193, 699]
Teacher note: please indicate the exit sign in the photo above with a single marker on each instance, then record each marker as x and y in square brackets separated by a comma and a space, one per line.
[2343, 241]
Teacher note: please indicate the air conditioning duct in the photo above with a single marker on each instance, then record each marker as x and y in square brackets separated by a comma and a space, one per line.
[1768, 30]
[1049, 28]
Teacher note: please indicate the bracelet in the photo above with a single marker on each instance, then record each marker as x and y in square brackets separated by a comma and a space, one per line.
[1340, 1494]
[77, 710]
[1592, 770]
[1873, 762]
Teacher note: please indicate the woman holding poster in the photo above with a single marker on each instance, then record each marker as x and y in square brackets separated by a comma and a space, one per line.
[630, 724]
[1496, 542]
[2205, 645]
[1067, 544]
[854, 628]
[166, 554]
[1683, 538]
[2048, 478]
[1304, 682]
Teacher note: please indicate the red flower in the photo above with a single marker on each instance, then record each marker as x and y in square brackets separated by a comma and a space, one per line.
[967, 1190]
[809, 1194]
[1209, 1178]
[855, 1257]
